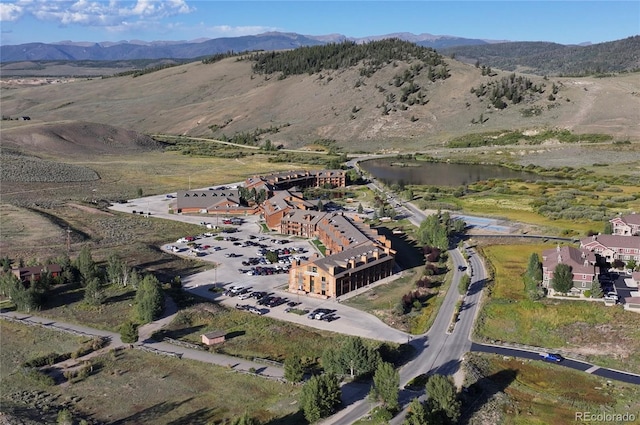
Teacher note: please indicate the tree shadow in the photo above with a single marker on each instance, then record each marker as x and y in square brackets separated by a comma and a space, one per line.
[354, 391]
[153, 414]
[409, 254]
[476, 287]
[398, 355]
[448, 368]
[121, 297]
[199, 417]
[62, 295]
[179, 333]
[234, 334]
[295, 418]
[466, 306]
[481, 392]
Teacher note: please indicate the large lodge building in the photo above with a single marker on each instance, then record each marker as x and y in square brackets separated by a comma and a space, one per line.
[355, 255]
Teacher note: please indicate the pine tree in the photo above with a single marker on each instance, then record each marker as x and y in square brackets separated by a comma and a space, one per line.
[149, 299]
[562, 280]
[128, 332]
[85, 265]
[293, 370]
[442, 397]
[534, 268]
[93, 294]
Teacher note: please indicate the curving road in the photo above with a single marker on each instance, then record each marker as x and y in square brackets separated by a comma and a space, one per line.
[440, 351]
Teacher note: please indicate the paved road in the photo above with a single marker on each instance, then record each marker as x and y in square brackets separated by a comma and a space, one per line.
[570, 363]
[437, 351]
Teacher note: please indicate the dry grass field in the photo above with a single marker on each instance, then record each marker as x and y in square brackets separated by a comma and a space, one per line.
[136, 387]
[190, 98]
[533, 393]
[605, 335]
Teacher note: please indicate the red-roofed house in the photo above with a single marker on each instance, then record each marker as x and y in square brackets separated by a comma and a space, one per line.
[613, 247]
[626, 225]
[582, 263]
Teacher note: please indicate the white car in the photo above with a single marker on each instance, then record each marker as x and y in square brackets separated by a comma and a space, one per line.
[611, 296]
[245, 296]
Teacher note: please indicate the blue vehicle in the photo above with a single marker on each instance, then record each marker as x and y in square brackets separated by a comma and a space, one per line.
[551, 357]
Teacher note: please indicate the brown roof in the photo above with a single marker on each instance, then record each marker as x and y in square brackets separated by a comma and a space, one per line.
[632, 300]
[304, 216]
[613, 241]
[206, 199]
[26, 272]
[341, 259]
[215, 334]
[571, 256]
[631, 219]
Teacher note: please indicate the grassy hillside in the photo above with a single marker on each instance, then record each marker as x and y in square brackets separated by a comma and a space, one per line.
[362, 113]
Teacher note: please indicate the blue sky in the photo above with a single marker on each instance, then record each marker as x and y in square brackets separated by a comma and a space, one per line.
[566, 22]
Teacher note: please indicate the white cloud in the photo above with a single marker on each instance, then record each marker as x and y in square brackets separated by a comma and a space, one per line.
[10, 12]
[115, 14]
[229, 31]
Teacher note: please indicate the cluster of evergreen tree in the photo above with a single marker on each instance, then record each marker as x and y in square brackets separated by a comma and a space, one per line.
[545, 58]
[86, 273]
[332, 56]
[514, 89]
[218, 57]
[252, 138]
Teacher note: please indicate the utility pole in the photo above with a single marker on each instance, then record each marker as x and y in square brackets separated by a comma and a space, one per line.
[68, 240]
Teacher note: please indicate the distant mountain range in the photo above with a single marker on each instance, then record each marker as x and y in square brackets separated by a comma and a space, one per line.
[135, 49]
[542, 58]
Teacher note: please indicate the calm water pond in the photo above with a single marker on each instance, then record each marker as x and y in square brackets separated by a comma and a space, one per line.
[404, 172]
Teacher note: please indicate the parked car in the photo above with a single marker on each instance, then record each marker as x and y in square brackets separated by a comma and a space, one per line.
[611, 296]
[258, 294]
[551, 357]
[330, 317]
[245, 296]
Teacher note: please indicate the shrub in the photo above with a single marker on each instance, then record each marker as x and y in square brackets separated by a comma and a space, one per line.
[128, 332]
[39, 376]
[463, 285]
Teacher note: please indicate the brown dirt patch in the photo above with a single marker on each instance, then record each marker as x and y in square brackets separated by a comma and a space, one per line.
[89, 210]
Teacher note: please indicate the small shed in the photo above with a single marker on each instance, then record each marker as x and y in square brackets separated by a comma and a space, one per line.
[213, 337]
